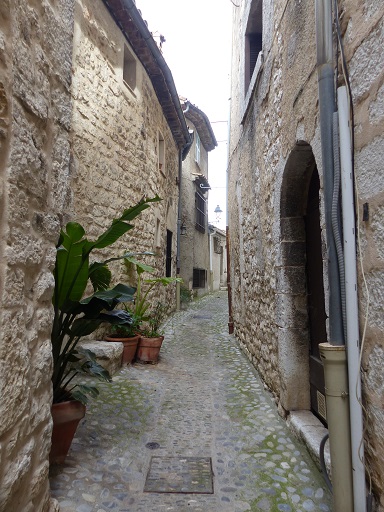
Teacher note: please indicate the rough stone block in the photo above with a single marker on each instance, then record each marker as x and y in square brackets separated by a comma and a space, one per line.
[292, 253]
[369, 169]
[292, 229]
[108, 354]
[291, 280]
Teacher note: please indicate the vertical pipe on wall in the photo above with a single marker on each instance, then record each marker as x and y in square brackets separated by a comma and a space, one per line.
[178, 232]
[324, 44]
[336, 391]
[353, 347]
[333, 353]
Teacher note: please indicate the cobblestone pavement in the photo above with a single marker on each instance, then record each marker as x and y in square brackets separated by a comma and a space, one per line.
[201, 407]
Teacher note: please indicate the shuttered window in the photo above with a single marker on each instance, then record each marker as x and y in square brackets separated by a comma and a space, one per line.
[200, 207]
[199, 277]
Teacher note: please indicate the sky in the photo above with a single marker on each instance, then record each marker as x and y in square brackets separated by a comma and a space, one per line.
[197, 50]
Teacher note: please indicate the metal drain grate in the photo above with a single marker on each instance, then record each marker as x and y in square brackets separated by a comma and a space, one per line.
[184, 475]
[203, 317]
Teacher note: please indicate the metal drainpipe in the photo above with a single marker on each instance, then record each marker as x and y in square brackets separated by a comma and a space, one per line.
[333, 353]
[352, 317]
[178, 233]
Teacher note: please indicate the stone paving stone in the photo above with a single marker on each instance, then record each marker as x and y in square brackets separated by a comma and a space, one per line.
[202, 400]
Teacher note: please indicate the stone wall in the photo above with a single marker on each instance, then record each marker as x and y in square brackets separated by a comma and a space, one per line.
[35, 109]
[364, 39]
[116, 133]
[274, 144]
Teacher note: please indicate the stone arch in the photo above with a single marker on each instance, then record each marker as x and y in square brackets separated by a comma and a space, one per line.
[291, 298]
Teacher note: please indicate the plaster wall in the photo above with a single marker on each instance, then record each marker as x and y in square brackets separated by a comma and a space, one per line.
[116, 144]
[194, 245]
[35, 112]
[271, 125]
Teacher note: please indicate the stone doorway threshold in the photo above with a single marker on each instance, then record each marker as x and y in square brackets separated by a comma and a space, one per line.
[184, 475]
[311, 431]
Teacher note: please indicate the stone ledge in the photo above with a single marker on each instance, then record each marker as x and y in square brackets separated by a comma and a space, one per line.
[108, 354]
[311, 431]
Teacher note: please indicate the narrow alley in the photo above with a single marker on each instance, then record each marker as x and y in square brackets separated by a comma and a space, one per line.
[196, 432]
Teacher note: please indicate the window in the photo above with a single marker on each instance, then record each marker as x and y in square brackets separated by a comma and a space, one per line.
[129, 69]
[161, 152]
[168, 257]
[199, 278]
[197, 148]
[253, 40]
[200, 207]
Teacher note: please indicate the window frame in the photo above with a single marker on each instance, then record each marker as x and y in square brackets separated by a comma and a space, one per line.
[200, 213]
[199, 278]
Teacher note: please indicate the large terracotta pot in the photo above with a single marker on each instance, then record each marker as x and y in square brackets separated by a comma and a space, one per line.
[66, 417]
[130, 346]
[148, 349]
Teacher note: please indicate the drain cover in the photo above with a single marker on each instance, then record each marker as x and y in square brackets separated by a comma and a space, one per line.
[188, 475]
[203, 317]
[152, 446]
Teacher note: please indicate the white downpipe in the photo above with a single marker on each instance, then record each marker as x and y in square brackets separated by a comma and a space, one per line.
[210, 262]
[353, 348]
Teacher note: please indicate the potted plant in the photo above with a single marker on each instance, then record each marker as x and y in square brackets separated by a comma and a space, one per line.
[128, 336]
[150, 339]
[76, 316]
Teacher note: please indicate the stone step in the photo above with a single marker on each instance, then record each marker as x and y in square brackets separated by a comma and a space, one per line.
[108, 354]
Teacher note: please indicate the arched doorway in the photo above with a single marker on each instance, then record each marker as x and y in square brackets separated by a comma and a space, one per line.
[300, 310]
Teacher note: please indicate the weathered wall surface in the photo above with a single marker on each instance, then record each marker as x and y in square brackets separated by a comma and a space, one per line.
[363, 23]
[266, 124]
[116, 142]
[35, 107]
[194, 246]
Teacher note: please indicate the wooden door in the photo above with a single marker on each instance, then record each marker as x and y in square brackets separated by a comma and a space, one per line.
[315, 297]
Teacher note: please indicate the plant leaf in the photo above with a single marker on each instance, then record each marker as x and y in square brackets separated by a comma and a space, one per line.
[100, 276]
[121, 225]
[71, 270]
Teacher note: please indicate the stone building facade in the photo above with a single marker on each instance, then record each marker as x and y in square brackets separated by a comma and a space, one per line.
[35, 114]
[128, 134]
[90, 121]
[195, 261]
[276, 200]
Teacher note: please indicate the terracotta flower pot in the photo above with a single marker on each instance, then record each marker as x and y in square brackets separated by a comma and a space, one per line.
[66, 417]
[130, 346]
[148, 349]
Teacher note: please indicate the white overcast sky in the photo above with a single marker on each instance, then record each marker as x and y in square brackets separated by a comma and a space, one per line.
[198, 53]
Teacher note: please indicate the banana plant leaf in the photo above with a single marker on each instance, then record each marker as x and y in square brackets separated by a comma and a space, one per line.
[75, 316]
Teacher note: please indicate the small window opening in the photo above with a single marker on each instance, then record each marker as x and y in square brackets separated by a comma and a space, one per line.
[161, 152]
[129, 69]
[199, 278]
[253, 40]
[197, 148]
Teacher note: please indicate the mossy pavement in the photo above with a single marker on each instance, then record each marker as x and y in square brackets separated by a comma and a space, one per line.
[203, 399]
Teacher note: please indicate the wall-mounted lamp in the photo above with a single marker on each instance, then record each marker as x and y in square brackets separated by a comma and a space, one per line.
[183, 229]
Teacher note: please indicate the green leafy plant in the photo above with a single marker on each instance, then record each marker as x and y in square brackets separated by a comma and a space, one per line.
[76, 316]
[185, 294]
[125, 330]
[156, 317]
[141, 308]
